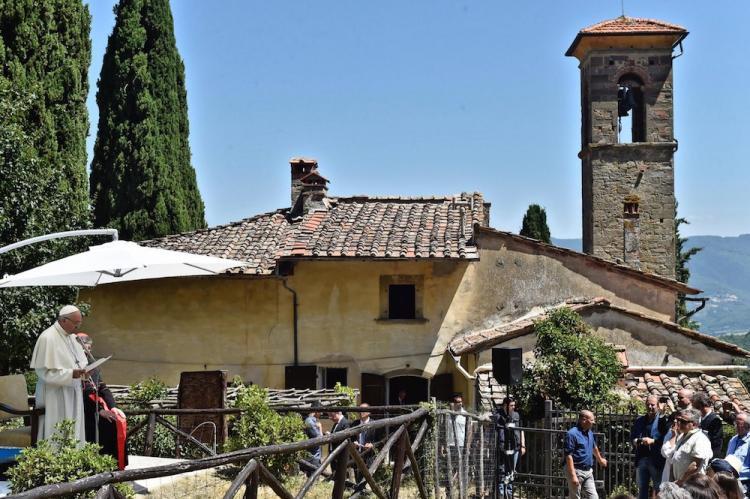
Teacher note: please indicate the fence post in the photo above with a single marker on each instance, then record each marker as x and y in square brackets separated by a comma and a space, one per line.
[480, 482]
[398, 465]
[435, 441]
[150, 434]
[548, 445]
[339, 484]
[251, 484]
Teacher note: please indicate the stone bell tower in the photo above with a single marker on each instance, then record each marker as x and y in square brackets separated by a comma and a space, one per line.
[627, 141]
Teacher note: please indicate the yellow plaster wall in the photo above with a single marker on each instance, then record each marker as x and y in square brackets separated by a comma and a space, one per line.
[244, 325]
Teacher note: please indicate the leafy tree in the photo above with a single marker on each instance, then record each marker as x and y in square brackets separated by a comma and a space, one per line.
[260, 425]
[535, 224]
[142, 182]
[31, 204]
[59, 460]
[45, 52]
[682, 272]
[572, 367]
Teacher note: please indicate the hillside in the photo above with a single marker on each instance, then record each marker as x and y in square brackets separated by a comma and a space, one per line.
[722, 271]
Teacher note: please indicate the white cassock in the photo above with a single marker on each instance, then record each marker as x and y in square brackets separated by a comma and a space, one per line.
[56, 354]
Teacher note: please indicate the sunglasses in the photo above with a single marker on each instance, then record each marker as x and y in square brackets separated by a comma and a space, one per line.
[682, 420]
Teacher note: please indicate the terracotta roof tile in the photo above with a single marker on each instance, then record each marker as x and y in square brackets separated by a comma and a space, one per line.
[624, 24]
[353, 227]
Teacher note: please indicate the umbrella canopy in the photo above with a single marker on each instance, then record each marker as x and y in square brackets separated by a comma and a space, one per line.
[119, 261]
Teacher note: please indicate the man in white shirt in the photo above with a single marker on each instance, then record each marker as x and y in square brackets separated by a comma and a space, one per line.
[59, 362]
[692, 448]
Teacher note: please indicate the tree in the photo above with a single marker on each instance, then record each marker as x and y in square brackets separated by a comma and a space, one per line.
[572, 367]
[142, 182]
[682, 272]
[45, 52]
[535, 224]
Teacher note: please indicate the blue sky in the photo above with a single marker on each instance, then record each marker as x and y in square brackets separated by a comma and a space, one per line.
[432, 97]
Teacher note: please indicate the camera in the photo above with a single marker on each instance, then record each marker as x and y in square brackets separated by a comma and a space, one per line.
[663, 400]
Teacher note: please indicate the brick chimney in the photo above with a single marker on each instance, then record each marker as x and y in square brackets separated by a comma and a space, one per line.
[309, 187]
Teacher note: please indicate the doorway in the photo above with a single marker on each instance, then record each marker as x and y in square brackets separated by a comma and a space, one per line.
[414, 387]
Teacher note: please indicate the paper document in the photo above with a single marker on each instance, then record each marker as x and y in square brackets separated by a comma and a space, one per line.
[96, 364]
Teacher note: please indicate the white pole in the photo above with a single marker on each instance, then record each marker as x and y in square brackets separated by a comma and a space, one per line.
[60, 235]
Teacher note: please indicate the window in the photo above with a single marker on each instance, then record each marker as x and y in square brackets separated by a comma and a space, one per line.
[401, 297]
[329, 376]
[401, 301]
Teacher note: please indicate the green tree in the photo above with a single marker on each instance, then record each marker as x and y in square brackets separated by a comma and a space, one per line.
[535, 224]
[142, 181]
[45, 52]
[572, 367]
[682, 272]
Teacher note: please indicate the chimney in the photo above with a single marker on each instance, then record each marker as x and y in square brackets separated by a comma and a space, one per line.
[309, 188]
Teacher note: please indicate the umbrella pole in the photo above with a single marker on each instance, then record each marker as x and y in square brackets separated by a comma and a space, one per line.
[60, 235]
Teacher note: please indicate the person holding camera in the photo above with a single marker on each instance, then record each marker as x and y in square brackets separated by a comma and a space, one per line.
[648, 436]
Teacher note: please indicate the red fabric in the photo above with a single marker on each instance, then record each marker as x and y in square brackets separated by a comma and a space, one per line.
[122, 430]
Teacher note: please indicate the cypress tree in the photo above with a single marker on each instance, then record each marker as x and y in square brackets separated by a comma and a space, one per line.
[45, 52]
[682, 272]
[535, 224]
[142, 182]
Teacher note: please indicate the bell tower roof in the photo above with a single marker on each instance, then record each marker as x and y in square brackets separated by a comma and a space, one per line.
[626, 31]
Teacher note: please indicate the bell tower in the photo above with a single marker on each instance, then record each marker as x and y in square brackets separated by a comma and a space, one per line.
[627, 141]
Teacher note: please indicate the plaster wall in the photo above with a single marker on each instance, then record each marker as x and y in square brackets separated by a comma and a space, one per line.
[244, 324]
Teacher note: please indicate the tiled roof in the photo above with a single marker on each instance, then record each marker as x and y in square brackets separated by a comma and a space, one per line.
[719, 388]
[623, 24]
[353, 227]
[616, 267]
[482, 339]
[638, 386]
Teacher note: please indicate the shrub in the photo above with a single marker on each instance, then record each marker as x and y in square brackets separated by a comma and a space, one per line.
[259, 425]
[572, 367]
[59, 459]
[165, 442]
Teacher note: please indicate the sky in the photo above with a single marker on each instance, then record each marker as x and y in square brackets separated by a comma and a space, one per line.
[437, 97]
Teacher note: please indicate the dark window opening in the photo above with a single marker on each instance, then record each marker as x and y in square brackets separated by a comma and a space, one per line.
[631, 110]
[402, 301]
[333, 375]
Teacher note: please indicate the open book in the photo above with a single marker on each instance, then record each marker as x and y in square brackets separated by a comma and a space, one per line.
[96, 364]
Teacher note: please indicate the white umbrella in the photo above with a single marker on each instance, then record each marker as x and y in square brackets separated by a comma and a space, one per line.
[119, 261]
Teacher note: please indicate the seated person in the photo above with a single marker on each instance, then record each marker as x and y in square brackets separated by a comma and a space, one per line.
[98, 399]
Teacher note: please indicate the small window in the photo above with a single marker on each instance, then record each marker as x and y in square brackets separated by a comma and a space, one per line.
[402, 301]
[329, 376]
[630, 208]
[401, 298]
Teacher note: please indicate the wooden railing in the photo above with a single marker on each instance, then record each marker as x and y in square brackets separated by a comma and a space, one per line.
[254, 473]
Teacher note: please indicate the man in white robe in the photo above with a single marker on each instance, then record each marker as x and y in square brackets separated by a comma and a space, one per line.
[59, 362]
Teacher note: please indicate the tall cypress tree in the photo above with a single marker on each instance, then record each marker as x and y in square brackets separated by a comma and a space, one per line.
[534, 224]
[45, 53]
[142, 182]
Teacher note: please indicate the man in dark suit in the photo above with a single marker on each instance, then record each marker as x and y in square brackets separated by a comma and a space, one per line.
[340, 423]
[711, 423]
[366, 440]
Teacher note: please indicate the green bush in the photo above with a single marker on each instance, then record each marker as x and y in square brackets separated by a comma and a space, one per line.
[58, 460]
[165, 442]
[259, 425]
[572, 367]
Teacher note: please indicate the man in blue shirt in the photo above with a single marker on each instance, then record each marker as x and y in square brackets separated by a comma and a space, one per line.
[648, 436]
[580, 450]
[738, 447]
[313, 429]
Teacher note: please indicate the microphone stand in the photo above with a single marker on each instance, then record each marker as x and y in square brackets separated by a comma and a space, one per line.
[94, 382]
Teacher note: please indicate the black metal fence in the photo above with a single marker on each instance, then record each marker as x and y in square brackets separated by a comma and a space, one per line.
[470, 464]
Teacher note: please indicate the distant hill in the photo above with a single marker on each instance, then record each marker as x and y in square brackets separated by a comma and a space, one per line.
[722, 271]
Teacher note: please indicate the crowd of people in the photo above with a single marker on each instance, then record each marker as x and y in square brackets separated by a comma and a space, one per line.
[677, 456]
